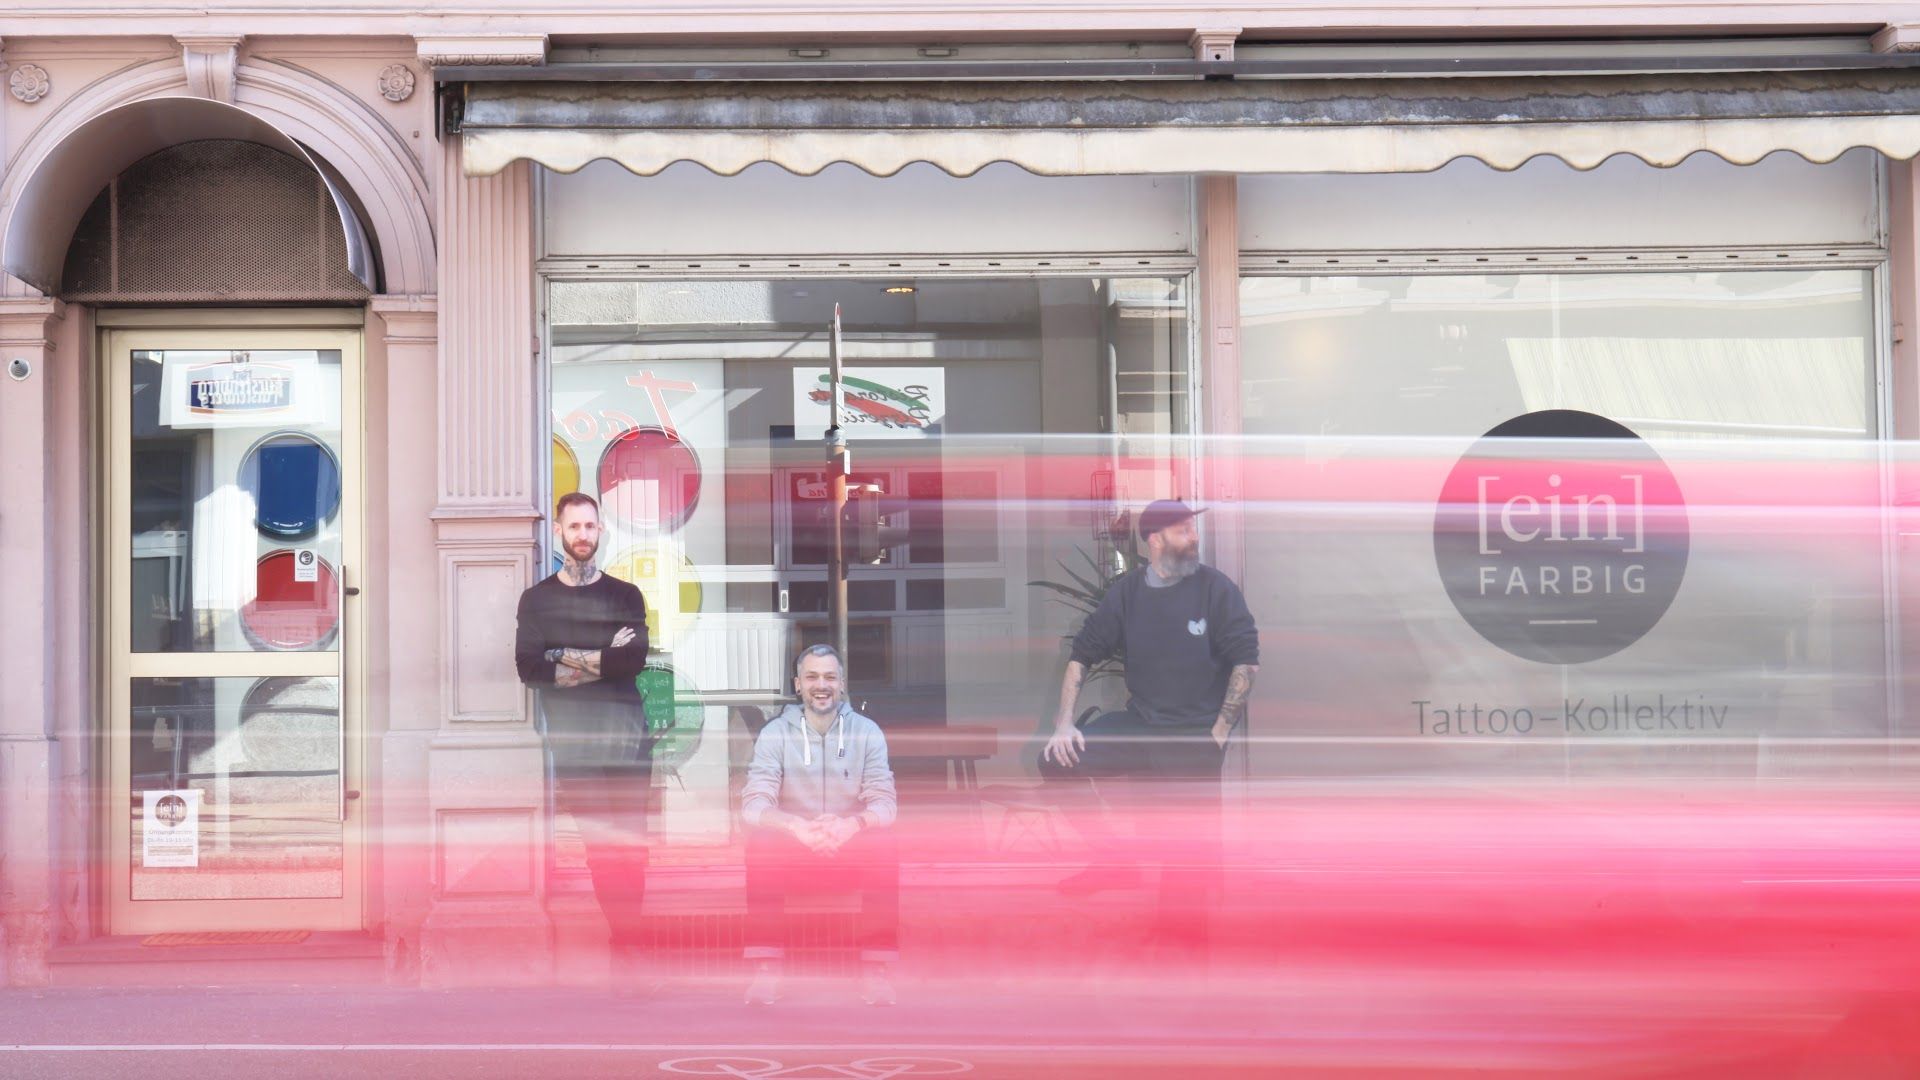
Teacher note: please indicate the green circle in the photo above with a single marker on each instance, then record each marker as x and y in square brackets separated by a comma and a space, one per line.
[675, 716]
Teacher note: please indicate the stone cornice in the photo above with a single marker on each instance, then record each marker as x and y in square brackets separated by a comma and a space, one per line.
[410, 320]
[28, 323]
[960, 20]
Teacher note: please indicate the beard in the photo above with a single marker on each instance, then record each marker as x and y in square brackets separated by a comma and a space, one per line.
[582, 551]
[1180, 562]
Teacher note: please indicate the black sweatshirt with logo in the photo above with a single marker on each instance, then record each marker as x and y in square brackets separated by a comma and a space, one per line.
[1179, 642]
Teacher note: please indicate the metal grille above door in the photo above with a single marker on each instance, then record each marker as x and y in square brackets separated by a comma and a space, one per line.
[218, 220]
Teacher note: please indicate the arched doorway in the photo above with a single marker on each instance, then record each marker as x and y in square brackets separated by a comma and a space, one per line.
[227, 270]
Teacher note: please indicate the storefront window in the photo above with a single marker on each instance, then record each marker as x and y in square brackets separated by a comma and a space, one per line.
[1731, 416]
[696, 411]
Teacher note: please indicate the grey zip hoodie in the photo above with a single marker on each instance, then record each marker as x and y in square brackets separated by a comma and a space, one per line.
[807, 774]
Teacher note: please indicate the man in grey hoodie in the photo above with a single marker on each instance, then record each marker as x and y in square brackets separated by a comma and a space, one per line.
[818, 804]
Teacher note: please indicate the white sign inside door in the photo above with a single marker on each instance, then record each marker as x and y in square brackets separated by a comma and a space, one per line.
[171, 832]
[282, 388]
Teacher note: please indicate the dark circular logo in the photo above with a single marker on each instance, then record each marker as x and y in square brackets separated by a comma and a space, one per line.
[1561, 536]
[170, 809]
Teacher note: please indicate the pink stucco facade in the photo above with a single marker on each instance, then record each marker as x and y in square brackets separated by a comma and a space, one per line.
[453, 395]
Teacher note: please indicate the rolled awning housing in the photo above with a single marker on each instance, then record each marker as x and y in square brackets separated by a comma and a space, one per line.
[1068, 127]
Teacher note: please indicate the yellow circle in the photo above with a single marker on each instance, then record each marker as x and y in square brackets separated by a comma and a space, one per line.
[662, 572]
[566, 469]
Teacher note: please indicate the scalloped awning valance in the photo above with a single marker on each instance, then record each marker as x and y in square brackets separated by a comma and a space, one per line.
[1244, 125]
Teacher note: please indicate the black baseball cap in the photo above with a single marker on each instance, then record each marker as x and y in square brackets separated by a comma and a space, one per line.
[1162, 513]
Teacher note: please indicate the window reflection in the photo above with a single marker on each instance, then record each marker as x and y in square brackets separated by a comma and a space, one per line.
[1011, 419]
[235, 500]
[1755, 387]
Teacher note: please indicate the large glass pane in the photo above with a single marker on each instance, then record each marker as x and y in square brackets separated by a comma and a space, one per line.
[1011, 418]
[235, 500]
[235, 788]
[1728, 415]
[1758, 353]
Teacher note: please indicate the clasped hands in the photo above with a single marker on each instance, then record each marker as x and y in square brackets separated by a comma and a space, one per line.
[824, 834]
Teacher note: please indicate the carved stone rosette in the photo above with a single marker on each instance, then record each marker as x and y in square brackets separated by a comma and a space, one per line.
[396, 82]
[30, 83]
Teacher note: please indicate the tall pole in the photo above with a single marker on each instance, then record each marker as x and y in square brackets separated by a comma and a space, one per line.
[837, 496]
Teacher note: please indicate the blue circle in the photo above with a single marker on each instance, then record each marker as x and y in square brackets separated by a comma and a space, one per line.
[295, 483]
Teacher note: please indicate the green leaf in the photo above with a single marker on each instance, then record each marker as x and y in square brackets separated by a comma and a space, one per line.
[1085, 594]
[1094, 590]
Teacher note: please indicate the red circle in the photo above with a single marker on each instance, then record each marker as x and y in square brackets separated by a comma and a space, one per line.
[286, 614]
[649, 479]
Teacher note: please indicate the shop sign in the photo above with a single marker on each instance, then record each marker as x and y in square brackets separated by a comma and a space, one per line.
[238, 392]
[876, 402]
[170, 836]
[1561, 537]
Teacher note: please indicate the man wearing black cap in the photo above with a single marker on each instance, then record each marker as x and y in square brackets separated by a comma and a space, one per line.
[1191, 651]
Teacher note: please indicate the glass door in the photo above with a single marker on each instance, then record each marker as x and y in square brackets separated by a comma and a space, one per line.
[233, 491]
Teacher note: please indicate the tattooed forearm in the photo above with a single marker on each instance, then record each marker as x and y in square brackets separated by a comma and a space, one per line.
[584, 660]
[1239, 687]
[569, 677]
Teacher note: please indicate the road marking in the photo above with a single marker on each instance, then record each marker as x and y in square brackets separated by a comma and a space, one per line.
[1829, 880]
[588, 1046]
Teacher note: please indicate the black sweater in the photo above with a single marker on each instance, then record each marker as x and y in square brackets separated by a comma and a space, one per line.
[1179, 643]
[604, 720]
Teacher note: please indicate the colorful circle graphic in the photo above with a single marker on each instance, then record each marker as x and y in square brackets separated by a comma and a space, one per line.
[649, 480]
[566, 469]
[666, 577]
[295, 483]
[286, 615]
[290, 726]
[674, 716]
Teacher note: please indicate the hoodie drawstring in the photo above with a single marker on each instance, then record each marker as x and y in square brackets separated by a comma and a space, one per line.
[806, 742]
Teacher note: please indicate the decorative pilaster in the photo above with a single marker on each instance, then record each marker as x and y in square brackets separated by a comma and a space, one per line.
[486, 513]
[27, 673]
[485, 775]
